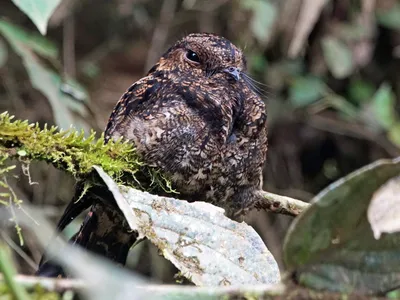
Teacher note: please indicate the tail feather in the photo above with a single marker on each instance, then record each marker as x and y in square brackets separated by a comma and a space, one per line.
[104, 231]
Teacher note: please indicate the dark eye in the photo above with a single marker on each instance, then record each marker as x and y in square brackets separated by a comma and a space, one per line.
[192, 56]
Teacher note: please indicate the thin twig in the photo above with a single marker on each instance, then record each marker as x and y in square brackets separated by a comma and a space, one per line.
[280, 204]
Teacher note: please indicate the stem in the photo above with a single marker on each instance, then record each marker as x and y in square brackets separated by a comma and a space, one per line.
[280, 204]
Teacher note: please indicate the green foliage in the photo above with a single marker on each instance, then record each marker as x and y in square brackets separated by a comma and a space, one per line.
[331, 246]
[39, 11]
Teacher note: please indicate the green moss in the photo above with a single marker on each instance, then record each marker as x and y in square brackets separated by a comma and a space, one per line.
[67, 150]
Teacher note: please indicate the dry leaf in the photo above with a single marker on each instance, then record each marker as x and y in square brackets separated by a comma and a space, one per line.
[206, 246]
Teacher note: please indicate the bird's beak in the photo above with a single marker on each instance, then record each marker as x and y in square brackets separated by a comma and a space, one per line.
[234, 72]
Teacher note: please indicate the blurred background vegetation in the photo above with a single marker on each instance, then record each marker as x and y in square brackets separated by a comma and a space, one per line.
[327, 69]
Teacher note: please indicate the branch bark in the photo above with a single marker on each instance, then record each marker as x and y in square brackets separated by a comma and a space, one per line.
[280, 204]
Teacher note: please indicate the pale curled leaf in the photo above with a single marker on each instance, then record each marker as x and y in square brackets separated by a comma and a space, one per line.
[384, 209]
[119, 198]
[206, 246]
[331, 246]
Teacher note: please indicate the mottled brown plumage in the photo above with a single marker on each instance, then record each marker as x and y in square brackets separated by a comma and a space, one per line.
[199, 125]
[196, 119]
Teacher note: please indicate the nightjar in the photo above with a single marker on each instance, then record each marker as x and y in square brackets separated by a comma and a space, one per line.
[196, 118]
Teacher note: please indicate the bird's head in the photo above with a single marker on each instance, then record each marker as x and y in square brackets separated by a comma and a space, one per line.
[206, 56]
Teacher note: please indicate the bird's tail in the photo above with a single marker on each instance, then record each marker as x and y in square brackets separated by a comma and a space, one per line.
[104, 230]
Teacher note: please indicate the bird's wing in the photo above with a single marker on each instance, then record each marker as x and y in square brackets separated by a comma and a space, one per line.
[134, 101]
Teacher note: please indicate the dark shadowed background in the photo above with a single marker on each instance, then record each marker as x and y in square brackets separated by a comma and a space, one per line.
[327, 70]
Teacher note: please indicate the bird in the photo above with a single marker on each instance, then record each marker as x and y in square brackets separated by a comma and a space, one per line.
[195, 117]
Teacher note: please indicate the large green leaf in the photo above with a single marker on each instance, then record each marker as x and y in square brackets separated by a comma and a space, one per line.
[39, 11]
[45, 79]
[331, 246]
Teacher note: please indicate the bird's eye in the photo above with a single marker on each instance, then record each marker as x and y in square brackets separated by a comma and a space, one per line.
[191, 55]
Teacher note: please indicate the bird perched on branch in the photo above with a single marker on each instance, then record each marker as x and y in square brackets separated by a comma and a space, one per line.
[195, 117]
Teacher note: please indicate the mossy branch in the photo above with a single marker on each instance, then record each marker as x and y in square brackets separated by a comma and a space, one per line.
[67, 150]
[72, 152]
